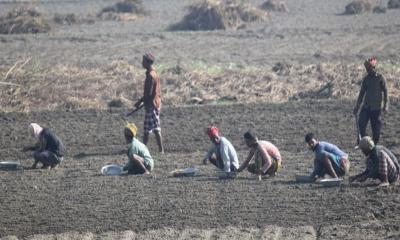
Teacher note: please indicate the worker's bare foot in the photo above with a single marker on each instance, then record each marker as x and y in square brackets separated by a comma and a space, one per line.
[55, 166]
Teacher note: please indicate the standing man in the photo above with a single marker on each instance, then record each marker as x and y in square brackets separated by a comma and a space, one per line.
[225, 154]
[374, 97]
[267, 158]
[381, 164]
[329, 159]
[152, 102]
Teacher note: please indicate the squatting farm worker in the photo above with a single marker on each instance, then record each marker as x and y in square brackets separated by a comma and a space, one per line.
[329, 159]
[152, 102]
[221, 153]
[49, 150]
[374, 98]
[139, 158]
[267, 158]
[381, 163]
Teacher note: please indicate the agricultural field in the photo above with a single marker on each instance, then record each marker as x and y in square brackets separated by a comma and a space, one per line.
[288, 71]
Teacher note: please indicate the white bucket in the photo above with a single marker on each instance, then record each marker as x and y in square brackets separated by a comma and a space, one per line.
[111, 170]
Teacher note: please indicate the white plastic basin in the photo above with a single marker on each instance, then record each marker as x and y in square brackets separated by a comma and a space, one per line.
[111, 170]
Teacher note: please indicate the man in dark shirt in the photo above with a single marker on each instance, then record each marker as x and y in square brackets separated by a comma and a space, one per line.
[381, 164]
[49, 150]
[374, 97]
[152, 102]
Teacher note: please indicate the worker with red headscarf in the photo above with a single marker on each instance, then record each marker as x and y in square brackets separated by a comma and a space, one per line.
[221, 153]
[373, 98]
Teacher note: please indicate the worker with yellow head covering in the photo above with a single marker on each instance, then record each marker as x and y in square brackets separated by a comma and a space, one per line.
[381, 163]
[139, 158]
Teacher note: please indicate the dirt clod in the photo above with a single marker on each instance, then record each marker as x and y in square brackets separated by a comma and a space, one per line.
[274, 5]
[379, 9]
[394, 4]
[357, 7]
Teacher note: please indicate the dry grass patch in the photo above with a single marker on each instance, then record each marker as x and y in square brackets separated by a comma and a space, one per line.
[126, 10]
[214, 15]
[274, 5]
[120, 84]
[23, 20]
[357, 7]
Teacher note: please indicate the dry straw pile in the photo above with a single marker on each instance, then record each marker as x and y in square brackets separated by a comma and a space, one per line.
[357, 7]
[126, 10]
[274, 5]
[23, 20]
[214, 15]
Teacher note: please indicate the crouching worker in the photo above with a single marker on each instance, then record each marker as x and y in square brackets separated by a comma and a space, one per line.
[221, 152]
[267, 158]
[49, 150]
[139, 158]
[381, 164]
[329, 159]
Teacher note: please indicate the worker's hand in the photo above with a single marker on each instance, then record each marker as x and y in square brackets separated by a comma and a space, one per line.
[355, 111]
[383, 184]
[352, 179]
[385, 108]
[362, 178]
[26, 149]
[137, 104]
[205, 161]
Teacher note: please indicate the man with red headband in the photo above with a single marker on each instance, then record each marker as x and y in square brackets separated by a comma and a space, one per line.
[225, 154]
[373, 97]
[152, 102]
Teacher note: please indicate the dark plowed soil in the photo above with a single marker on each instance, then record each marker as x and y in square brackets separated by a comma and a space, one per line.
[76, 197]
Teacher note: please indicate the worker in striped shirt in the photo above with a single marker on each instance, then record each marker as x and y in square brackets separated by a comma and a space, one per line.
[381, 164]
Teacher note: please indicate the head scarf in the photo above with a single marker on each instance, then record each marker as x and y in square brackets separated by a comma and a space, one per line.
[35, 129]
[132, 128]
[212, 131]
[366, 143]
[149, 57]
